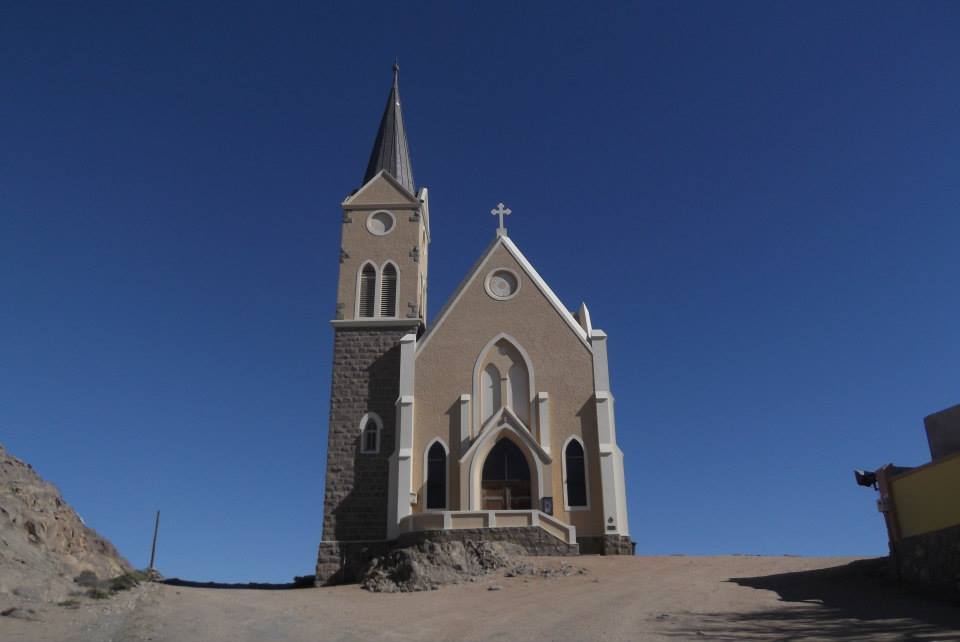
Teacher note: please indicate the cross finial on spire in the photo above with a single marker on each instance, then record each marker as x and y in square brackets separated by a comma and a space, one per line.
[396, 77]
[501, 211]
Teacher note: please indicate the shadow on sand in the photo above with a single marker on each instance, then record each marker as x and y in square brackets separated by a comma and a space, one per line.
[857, 601]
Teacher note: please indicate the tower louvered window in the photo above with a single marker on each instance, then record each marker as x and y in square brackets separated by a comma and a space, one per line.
[368, 291]
[388, 291]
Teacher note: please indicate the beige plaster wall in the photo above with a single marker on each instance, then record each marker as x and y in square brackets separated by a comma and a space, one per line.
[361, 245]
[562, 366]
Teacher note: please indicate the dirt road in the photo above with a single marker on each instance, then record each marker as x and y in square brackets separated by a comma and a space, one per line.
[629, 599]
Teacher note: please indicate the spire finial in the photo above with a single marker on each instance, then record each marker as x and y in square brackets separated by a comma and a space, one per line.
[396, 68]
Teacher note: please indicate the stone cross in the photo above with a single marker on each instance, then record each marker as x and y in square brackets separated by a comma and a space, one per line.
[501, 211]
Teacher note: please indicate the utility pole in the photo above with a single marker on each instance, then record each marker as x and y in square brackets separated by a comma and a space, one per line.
[153, 548]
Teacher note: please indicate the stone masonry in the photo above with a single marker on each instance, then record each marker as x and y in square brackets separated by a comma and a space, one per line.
[606, 545]
[366, 374]
[533, 539]
[931, 559]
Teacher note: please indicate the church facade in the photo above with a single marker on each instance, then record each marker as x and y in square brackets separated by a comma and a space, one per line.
[493, 421]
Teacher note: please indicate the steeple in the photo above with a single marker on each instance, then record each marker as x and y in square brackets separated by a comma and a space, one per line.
[390, 150]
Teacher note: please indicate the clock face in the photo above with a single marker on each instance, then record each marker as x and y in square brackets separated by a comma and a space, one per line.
[502, 284]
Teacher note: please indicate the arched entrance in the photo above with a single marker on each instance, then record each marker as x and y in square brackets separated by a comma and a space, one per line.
[505, 484]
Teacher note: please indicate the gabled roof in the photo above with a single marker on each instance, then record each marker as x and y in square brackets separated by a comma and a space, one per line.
[531, 273]
[349, 202]
[390, 150]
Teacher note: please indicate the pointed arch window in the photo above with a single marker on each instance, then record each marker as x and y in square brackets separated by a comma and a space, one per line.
[388, 291]
[503, 376]
[490, 398]
[370, 427]
[519, 390]
[367, 292]
[436, 466]
[575, 474]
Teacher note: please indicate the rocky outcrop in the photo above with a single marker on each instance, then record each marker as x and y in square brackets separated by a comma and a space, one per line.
[429, 565]
[44, 544]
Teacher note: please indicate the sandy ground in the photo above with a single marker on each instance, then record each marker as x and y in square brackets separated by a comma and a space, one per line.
[641, 598]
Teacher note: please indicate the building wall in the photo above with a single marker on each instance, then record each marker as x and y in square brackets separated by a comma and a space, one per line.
[366, 366]
[931, 559]
[943, 432]
[405, 245]
[562, 365]
[926, 498]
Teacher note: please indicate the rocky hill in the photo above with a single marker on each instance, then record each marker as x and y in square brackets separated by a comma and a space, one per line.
[44, 544]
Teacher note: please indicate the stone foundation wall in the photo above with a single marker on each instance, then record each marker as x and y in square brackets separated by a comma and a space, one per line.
[606, 545]
[344, 562]
[534, 540]
[617, 545]
[931, 559]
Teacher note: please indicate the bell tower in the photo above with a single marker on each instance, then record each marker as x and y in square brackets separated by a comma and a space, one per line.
[381, 296]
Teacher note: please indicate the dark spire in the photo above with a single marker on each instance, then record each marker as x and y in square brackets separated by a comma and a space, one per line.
[390, 150]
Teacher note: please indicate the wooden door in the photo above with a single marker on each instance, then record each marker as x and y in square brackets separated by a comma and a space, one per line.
[505, 484]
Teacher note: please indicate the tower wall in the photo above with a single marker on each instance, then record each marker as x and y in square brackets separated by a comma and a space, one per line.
[366, 372]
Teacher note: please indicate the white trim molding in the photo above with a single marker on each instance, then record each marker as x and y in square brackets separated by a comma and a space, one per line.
[411, 200]
[543, 420]
[464, 424]
[390, 228]
[374, 323]
[396, 291]
[611, 457]
[376, 290]
[377, 293]
[480, 268]
[364, 422]
[481, 362]
[466, 519]
[586, 474]
[493, 295]
[506, 422]
[446, 482]
[400, 483]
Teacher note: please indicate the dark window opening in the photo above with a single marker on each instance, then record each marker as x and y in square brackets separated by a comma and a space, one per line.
[436, 477]
[576, 475]
[370, 438]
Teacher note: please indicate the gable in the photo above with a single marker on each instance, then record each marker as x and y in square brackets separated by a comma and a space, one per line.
[534, 302]
[381, 190]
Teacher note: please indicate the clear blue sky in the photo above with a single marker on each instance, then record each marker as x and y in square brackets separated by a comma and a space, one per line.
[758, 201]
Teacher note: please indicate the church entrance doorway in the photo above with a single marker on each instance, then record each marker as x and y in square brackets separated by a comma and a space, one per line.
[506, 478]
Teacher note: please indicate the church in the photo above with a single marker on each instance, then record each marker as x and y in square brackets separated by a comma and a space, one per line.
[495, 420]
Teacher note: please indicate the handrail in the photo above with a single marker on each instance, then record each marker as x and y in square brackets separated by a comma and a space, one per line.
[449, 520]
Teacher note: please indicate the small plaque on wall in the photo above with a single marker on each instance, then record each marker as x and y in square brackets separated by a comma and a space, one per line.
[546, 505]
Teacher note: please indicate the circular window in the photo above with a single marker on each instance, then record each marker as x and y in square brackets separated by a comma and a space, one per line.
[380, 223]
[502, 284]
